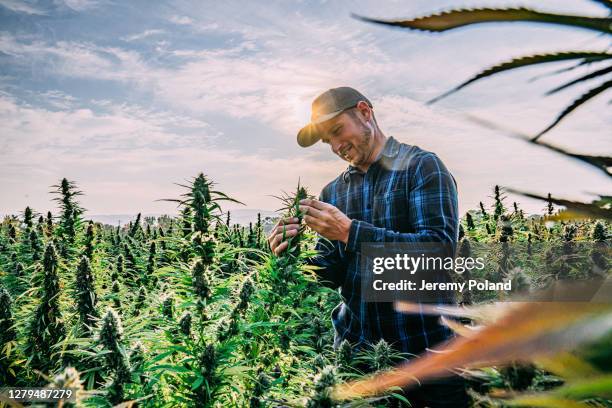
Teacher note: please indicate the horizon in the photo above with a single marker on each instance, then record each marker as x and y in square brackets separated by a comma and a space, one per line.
[243, 215]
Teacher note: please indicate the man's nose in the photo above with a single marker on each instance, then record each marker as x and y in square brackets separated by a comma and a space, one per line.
[335, 145]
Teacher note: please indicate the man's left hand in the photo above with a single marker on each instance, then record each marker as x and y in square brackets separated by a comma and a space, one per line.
[326, 219]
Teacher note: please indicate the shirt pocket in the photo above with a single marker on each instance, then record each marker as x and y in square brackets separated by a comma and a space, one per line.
[390, 210]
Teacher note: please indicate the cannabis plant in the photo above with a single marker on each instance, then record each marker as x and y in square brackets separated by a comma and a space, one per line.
[47, 327]
[85, 294]
[89, 241]
[35, 246]
[201, 283]
[8, 337]
[323, 383]
[344, 354]
[116, 358]
[70, 219]
[291, 209]
[207, 364]
[69, 378]
[185, 324]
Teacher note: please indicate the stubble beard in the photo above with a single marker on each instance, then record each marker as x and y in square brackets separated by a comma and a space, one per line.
[363, 147]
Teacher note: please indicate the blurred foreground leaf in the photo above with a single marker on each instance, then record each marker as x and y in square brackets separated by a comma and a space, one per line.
[452, 19]
[595, 210]
[522, 332]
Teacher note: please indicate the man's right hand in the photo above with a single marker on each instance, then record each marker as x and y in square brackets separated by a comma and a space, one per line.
[291, 229]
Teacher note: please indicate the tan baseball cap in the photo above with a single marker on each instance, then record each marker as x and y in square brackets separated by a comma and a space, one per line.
[326, 106]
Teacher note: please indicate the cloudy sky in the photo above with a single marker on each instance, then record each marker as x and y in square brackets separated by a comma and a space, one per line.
[128, 98]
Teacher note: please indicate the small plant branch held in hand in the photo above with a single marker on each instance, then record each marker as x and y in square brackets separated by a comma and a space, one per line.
[323, 218]
[326, 219]
[286, 235]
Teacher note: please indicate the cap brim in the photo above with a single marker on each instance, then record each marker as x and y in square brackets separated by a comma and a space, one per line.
[309, 134]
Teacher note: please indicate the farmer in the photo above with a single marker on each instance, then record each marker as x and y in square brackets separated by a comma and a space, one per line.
[391, 192]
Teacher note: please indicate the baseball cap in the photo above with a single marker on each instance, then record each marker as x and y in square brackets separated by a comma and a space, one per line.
[326, 106]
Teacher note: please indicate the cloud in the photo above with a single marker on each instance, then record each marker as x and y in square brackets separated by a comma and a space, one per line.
[80, 129]
[57, 99]
[131, 153]
[33, 7]
[143, 35]
[80, 5]
[76, 59]
[69, 58]
[181, 20]
[270, 75]
[197, 26]
[24, 7]
[271, 84]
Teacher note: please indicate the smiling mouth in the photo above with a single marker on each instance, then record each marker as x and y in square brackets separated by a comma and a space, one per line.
[344, 152]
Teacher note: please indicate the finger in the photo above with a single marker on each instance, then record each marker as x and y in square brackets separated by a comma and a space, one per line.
[280, 228]
[285, 221]
[314, 223]
[273, 242]
[276, 242]
[291, 227]
[306, 201]
[321, 205]
[272, 235]
[312, 211]
[288, 234]
[281, 248]
[292, 233]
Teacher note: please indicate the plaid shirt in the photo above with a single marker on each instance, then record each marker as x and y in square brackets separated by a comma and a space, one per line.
[407, 195]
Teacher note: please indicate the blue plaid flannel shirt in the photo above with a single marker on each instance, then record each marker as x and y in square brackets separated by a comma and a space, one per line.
[407, 195]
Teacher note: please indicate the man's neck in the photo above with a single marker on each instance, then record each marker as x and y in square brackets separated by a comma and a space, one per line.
[379, 144]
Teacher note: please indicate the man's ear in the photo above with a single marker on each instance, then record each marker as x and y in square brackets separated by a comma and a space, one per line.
[365, 110]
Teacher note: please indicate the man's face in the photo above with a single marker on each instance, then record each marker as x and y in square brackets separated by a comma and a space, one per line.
[349, 137]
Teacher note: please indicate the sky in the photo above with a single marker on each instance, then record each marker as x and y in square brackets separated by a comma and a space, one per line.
[129, 99]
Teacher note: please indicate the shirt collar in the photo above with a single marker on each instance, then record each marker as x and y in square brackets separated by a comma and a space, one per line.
[389, 151]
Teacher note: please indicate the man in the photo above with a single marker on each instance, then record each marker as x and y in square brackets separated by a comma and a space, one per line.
[391, 192]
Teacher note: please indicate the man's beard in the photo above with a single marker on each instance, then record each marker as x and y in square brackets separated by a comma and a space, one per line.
[364, 144]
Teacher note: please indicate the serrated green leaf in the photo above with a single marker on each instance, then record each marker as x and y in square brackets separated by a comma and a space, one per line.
[197, 382]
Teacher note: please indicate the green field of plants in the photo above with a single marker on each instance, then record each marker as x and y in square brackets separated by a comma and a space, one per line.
[194, 311]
